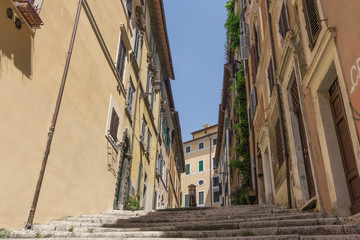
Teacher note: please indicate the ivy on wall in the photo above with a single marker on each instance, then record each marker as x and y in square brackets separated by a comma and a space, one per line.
[242, 164]
[232, 25]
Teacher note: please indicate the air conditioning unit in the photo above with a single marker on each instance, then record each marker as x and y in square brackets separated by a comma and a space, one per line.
[244, 40]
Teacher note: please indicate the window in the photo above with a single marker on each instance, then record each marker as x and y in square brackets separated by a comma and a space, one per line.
[201, 198]
[187, 149]
[214, 141]
[181, 199]
[139, 178]
[187, 169]
[215, 163]
[129, 5]
[313, 25]
[270, 72]
[201, 183]
[283, 22]
[136, 45]
[279, 145]
[120, 63]
[114, 125]
[148, 80]
[201, 145]
[216, 189]
[201, 165]
[143, 129]
[186, 200]
[130, 97]
[152, 99]
[148, 142]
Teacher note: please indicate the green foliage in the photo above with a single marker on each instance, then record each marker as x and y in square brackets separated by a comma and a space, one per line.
[240, 196]
[4, 233]
[71, 228]
[242, 127]
[38, 234]
[133, 203]
[247, 232]
[232, 25]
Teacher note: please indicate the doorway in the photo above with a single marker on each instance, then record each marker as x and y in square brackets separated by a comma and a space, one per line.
[345, 145]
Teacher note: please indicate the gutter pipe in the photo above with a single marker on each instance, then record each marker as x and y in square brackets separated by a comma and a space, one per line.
[30, 219]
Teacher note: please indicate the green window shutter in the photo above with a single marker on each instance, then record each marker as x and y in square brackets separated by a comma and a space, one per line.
[201, 166]
[180, 199]
[187, 169]
[186, 200]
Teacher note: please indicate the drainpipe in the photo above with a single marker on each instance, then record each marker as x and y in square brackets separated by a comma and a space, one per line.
[280, 106]
[211, 200]
[30, 219]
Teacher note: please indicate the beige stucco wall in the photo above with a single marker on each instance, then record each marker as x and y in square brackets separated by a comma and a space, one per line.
[79, 177]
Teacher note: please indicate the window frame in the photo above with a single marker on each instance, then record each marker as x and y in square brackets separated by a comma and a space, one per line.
[203, 145]
[143, 130]
[148, 145]
[215, 189]
[212, 141]
[188, 164]
[130, 97]
[113, 107]
[121, 46]
[203, 192]
[201, 161]
[189, 146]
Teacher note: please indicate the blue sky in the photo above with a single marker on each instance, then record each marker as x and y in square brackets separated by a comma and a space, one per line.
[197, 38]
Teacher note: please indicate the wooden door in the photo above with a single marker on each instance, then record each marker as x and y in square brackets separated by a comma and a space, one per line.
[304, 146]
[345, 145]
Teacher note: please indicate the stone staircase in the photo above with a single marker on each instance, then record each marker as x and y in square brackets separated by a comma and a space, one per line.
[237, 222]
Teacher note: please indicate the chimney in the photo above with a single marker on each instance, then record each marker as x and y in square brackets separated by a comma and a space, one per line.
[206, 125]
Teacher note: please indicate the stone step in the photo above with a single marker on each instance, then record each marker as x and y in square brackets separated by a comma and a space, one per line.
[299, 230]
[175, 214]
[196, 226]
[270, 237]
[151, 219]
[119, 224]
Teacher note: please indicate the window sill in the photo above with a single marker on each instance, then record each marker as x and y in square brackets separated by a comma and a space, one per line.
[113, 143]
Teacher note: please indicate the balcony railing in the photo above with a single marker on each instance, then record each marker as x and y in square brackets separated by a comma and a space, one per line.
[29, 13]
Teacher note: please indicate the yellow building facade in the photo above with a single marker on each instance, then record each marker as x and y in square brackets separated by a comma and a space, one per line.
[201, 169]
[100, 150]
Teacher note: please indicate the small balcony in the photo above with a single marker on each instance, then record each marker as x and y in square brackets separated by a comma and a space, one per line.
[29, 13]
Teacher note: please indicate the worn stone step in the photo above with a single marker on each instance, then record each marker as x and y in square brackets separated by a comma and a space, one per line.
[195, 225]
[270, 237]
[118, 224]
[150, 219]
[302, 230]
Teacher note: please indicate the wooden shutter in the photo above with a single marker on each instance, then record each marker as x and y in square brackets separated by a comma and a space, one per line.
[283, 23]
[279, 144]
[186, 200]
[201, 166]
[271, 76]
[121, 58]
[114, 125]
[313, 25]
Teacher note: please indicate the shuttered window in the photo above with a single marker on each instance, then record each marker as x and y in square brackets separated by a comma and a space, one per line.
[201, 165]
[271, 76]
[312, 19]
[201, 198]
[120, 64]
[136, 45]
[114, 125]
[186, 200]
[279, 144]
[283, 22]
[187, 169]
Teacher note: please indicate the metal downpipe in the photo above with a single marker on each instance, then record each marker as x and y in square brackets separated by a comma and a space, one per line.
[30, 219]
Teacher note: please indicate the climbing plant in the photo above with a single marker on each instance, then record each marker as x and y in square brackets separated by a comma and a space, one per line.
[242, 164]
[232, 25]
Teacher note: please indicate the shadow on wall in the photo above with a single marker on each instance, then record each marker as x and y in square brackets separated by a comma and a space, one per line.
[15, 45]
